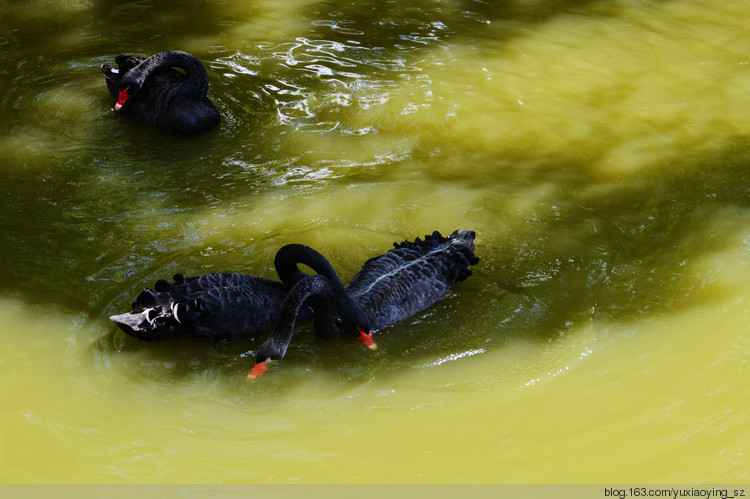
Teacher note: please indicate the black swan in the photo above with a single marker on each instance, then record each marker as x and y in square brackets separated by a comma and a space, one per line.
[220, 306]
[388, 288]
[152, 92]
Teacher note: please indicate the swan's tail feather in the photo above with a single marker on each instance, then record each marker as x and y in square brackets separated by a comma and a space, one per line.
[459, 247]
[158, 323]
[161, 314]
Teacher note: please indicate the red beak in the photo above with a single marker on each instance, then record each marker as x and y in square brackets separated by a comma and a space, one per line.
[367, 340]
[122, 98]
[258, 369]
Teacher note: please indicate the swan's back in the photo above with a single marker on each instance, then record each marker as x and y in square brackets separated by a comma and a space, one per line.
[412, 276]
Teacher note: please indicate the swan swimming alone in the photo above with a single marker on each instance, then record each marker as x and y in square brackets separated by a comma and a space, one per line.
[152, 92]
[388, 288]
[220, 306]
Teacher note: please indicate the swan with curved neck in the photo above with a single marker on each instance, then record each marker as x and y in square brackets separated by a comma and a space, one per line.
[152, 92]
[221, 306]
[388, 288]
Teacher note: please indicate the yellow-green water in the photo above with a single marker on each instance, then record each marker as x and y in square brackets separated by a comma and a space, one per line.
[600, 150]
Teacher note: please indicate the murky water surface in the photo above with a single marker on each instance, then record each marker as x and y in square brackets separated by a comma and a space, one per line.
[600, 150]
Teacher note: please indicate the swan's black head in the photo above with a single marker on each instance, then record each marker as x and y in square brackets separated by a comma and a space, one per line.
[354, 321]
[114, 79]
[129, 86]
[271, 351]
[112, 76]
[120, 81]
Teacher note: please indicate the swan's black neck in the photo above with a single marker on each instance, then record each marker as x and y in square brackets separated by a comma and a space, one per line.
[290, 256]
[352, 316]
[196, 76]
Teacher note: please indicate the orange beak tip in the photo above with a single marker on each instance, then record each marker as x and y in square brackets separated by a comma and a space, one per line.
[258, 369]
[367, 340]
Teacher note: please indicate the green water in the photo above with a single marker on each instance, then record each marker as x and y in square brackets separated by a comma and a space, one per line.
[600, 150]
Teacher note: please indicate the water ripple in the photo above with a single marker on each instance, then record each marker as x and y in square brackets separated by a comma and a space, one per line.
[313, 85]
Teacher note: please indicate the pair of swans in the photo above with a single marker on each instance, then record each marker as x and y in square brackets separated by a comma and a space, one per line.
[388, 288]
